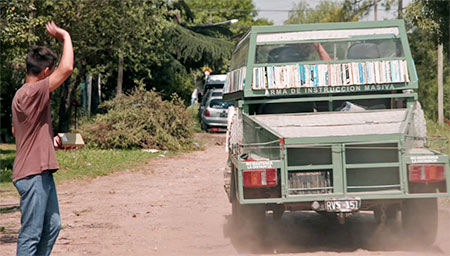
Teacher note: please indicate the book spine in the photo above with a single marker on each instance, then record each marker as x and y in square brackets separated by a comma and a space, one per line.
[280, 79]
[361, 77]
[320, 75]
[264, 76]
[316, 75]
[285, 77]
[307, 76]
[364, 72]
[377, 72]
[346, 74]
[405, 77]
[339, 74]
[255, 79]
[296, 75]
[371, 73]
[332, 75]
[328, 74]
[389, 71]
[405, 65]
[355, 73]
[243, 78]
[301, 70]
[269, 77]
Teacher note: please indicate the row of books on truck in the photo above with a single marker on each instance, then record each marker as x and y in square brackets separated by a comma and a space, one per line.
[298, 76]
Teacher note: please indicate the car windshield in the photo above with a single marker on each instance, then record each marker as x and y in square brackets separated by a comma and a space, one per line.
[220, 104]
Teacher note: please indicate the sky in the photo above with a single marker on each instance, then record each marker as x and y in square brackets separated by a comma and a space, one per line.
[277, 10]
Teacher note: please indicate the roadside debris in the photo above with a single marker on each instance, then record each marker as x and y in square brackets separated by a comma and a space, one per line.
[150, 150]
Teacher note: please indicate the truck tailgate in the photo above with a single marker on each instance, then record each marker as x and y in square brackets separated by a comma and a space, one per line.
[335, 123]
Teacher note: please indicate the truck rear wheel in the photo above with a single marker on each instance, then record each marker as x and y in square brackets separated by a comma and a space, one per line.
[420, 220]
[390, 213]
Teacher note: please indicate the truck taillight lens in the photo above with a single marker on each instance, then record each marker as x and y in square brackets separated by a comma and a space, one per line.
[423, 173]
[260, 178]
[206, 113]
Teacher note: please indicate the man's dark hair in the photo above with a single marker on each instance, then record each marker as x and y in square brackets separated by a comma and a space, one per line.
[38, 59]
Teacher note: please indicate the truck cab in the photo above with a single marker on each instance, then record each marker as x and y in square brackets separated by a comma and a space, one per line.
[327, 119]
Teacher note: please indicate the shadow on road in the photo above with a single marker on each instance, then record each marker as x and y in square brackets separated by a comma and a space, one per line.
[8, 239]
[7, 235]
[312, 232]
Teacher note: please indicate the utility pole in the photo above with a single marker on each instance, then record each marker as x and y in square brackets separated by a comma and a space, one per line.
[89, 93]
[99, 86]
[440, 81]
[375, 5]
[120, 75]
[400, 9]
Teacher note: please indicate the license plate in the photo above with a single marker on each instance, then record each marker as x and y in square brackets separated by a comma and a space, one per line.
[342, 205]
[223, 114]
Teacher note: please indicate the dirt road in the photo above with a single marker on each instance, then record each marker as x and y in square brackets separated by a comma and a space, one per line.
[177, 206]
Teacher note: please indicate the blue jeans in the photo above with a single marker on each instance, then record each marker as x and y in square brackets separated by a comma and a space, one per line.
[40, 214]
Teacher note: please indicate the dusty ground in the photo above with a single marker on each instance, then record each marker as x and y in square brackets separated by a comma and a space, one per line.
[177, 206]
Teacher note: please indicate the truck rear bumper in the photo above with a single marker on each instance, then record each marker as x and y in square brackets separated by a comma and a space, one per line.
[363, 197]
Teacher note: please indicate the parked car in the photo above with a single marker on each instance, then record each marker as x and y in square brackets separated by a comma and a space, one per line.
[214, 116]
[212, 82]
[215, 92]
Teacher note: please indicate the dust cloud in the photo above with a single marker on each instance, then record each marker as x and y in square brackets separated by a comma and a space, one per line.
[311, 232]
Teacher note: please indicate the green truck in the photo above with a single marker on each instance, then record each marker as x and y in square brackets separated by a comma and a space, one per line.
[327, 119]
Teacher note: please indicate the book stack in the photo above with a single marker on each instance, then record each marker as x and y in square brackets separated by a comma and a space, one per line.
[235, 80]
[354, 73]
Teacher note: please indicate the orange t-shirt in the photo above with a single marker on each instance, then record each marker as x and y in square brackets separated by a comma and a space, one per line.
[33, 130]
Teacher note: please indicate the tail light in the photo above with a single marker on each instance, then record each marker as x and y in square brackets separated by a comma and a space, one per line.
[260, 178]
[423, 173]
[206, 113]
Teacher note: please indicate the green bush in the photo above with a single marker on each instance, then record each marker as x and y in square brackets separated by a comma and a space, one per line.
[141, 120]
[5, 175]
[439, 136]
[7, 155]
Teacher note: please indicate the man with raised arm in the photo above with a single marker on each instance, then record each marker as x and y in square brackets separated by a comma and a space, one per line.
[35, 158]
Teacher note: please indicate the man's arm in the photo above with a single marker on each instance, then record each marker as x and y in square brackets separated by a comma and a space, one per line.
[65, 66]
[321, 51]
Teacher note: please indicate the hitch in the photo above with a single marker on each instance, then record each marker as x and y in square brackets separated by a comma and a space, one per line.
[342, 216]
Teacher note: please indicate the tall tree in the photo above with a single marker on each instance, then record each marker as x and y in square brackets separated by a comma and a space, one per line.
[326, 11]
[429, 21]
[215, 11]
[18, 24]
[334, 11]
[193, 41]
[143, 37]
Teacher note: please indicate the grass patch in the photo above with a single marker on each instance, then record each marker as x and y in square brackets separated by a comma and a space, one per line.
[79, 164]
[7, 155]
[440, 136]
[193, 111]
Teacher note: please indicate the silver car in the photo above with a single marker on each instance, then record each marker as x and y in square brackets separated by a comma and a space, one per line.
[214, 92]
[215, 113]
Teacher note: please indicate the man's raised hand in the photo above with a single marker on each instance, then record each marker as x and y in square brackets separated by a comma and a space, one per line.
[55, 31]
